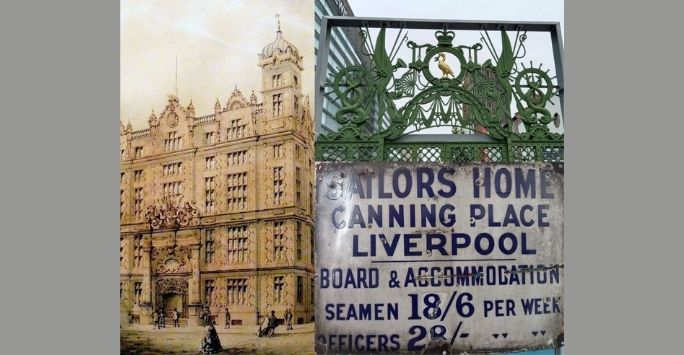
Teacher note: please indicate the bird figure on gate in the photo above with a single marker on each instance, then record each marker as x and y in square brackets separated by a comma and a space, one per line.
[443, 66]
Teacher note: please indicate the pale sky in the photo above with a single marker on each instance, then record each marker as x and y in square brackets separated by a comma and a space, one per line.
[217, 42]
[494, 10]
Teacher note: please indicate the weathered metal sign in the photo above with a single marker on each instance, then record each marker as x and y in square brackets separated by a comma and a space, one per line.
[420, 257]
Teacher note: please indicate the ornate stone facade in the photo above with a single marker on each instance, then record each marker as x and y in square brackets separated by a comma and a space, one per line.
[248, 170]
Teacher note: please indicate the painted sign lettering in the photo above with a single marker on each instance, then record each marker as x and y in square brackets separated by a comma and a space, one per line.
[418, 256]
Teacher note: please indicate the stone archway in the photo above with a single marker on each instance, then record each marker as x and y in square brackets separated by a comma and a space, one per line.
[172, 293]
[172, 301]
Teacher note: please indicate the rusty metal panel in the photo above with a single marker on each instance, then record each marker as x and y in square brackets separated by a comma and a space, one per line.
[438, 258]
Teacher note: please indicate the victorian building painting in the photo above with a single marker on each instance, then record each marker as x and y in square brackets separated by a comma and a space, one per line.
[217, 204]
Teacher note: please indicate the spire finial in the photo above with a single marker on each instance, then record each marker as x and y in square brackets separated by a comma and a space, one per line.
[278, 17]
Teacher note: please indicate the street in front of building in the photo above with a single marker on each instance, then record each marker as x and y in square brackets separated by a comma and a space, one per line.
[144, 339]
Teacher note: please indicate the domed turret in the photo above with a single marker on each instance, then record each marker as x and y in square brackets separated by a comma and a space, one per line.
[279, 46]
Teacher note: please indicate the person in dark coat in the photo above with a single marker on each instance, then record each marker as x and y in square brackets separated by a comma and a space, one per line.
[211, 344]
[162, 319]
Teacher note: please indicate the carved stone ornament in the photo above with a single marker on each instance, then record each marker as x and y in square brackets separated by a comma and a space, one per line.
[172, 215]
[172, 285]
[176, 262]
[172, 119]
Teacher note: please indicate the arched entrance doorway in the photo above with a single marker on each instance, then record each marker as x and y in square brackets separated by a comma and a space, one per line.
[172, 293]
[171, 302]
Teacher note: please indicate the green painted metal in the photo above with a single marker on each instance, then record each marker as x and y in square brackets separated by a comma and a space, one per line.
[409, 97]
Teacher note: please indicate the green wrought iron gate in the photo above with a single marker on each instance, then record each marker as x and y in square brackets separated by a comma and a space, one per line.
[497, 106]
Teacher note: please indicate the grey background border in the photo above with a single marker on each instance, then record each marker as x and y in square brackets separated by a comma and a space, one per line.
[59, 84]
[60, 94]
[622, 178]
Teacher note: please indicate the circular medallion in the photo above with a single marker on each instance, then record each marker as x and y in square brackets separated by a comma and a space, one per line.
[444, 64]
[172, 119]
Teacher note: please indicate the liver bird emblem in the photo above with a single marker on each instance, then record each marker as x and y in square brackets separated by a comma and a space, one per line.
[443, 66]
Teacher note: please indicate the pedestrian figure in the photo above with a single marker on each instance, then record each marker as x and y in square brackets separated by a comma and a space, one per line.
[227, 318]
[263, 324]
[206, 315]
[175, 317]
[155, 320]
[288, 319]
[162, 319]
[272, 323]
[211, 344]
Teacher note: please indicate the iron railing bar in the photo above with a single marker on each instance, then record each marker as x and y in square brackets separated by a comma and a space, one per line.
[438, 24]
[557, 43]
[321, 69]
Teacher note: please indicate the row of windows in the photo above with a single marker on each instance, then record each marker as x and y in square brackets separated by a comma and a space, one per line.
[137, 251]
[236, 186]
[237, 158]
[209, 202]
[237, 290]
[236, 194]
[234, 159]
[278, 185]
[236, 130]
[138, 203]
[277, 105]
[278, 240]
[173, 142]
[210, 138]
[172, 169]
[237, 243]
[210, 163]
[277, 81]
[278, 151]
[237, 191]
[137, 153]
[278, 108]
[172, 189]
